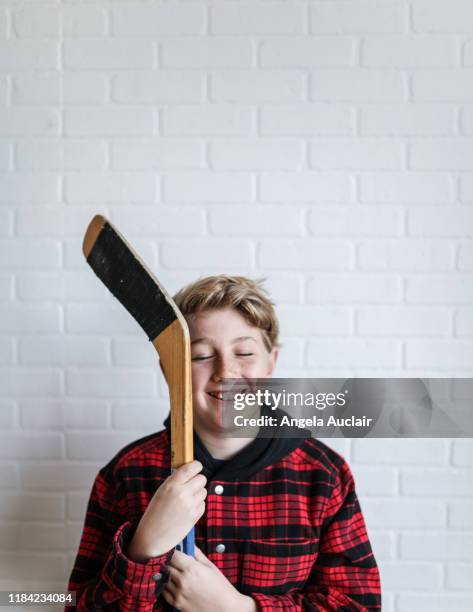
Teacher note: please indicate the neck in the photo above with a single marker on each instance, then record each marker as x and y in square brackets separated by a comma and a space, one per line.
[222, 447]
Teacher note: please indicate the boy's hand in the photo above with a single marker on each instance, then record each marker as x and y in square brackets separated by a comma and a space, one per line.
[197, 585]
[173, 510]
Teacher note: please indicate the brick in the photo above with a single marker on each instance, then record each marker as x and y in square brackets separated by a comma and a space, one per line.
[47, 221]
[133, 352]
[468, 53]
[145, 415]
[440, 289]
[31, 446]
[58, 476]
[6, 350]
[90, 54]
[29, 122]
[375, 482]
[465, 256]
[466, 188]
[29, 254]
[291, 354]
[57, 350]
[306, 119]
[285, 287]
[208, 120]
[409, 51]
[111, 187]
[207, 53]
[357, 85]
[458, 576]
[30, 319]
[353, 353]
[257, 86]
[256, 154]
[36, 89]
[427, 452]
[407, 120]
[36, 22]
[439, 354]
[29, 55]
[4, 90]
[405, 255]
[110, 382]
[91, 414]
[354, 287]
[436, 547]
[5, 155]
[82, 285]
[29, 188]
[428, 16]
[77, 218]
[47, 537]
[443, 85]
[42, 414]
[463, 453]
[159, 20]
[364, 16]
[45, 567]
[258, 221]
[40, 286]
[109, 122]
[257, 18]
[77, 506]
[29, 381]
[355, 221]
[403, 321]
[402, 576]
[3, 23]
[369, 154]
[444, 221]
[84, 88]
[6, 223]
[161, 154]
[446, 155]
[460, 515]
[307, 51]
[60, 155]
[6, 286]
[165, 87]
[208, 187]
[298, 320]
[383, 546]
[83, 21]
[464, 322]
[92, 445]
[107, 319]
[313, 187]
[34, 506]
[405, 187]
[402, 514]
[232, 254]
[9, 476]
[157, 222]
[304, 254]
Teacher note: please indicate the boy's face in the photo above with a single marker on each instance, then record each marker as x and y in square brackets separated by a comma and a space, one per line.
[223, 345]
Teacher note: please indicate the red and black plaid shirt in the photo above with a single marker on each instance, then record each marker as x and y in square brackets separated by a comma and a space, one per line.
[293, 533]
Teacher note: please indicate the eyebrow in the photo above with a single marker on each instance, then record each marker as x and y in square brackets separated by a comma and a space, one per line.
[197, 340]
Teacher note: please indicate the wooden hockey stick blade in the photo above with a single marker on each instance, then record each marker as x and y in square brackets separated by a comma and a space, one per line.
[139, 291]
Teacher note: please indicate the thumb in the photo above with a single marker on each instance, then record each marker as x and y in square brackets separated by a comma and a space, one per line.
[201, 558]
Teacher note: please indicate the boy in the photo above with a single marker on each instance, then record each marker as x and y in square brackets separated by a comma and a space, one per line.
[277, 521]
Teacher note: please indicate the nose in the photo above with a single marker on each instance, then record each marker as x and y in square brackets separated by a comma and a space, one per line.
[224, 367]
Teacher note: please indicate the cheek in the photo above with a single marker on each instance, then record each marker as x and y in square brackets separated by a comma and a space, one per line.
[200, 377]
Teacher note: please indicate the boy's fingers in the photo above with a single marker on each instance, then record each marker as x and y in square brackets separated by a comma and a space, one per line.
[187, 471]
[201, 558]
[180, 560]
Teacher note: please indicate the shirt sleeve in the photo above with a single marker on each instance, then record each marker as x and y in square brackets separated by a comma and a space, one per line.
[345, 576]
[103, 577]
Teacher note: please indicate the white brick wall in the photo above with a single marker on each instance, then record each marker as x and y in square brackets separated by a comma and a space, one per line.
[326, 146]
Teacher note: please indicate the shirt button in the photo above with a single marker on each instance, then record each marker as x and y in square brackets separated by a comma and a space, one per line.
[220, 548]
[157, 577]
[218, 490]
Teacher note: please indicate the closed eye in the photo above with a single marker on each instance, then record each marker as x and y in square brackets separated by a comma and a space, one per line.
[202, 358]
[244, 354]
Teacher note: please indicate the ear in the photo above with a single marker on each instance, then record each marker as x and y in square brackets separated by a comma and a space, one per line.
[273, 358]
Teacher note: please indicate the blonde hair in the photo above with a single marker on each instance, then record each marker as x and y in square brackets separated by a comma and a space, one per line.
[246, 296]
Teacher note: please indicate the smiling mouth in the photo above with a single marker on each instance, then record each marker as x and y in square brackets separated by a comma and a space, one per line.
[224, 396]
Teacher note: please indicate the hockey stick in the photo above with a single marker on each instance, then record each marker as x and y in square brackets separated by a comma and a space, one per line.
[139, 291]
